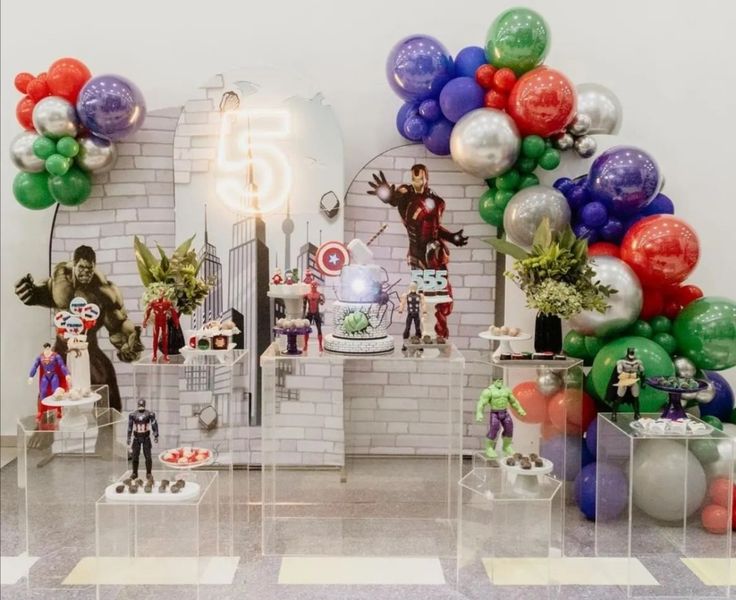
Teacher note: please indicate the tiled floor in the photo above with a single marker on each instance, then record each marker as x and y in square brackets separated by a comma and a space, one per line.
[392, 541]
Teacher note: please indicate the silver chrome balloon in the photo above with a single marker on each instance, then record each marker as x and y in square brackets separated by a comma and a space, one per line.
[684, 367]
[624, 306]
[601, 105]
[580, 125]
[55, 117]
[485, 142]
[585, 146]
[95, 154]
[548, 382]
[723, 465]
[528, 207]
[563, 141]
[21, 152]
[706, 395]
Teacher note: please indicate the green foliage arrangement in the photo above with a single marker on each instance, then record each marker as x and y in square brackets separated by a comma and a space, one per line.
[555, 276]
[175, 276]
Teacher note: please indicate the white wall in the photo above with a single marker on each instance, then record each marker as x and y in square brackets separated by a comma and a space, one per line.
[671, 65]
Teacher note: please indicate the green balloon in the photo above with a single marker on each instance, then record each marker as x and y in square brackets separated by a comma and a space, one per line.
[706, 451]
[656, 362]
[485, 206]
[518, 39]
[715, 422]
[705, 331]
[496, 218]
[32, 190]
[501, 198]
[590, 388]
[70, 189]
[574, 345]
[660, 324]
[667, 341]
[509, 181]
[550, 159]
[56, 164]
[533, 146]
[526, 164]
[528, 181]
[67, 146]
[640, 328]
[593, 345]
[43, 147]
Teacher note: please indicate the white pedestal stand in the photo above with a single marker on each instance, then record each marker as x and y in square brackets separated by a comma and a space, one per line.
[504, 341]
[429, 320]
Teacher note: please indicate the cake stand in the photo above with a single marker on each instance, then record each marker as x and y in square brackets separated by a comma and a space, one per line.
[292, 333]
[72, 417]
[674, 409]
[526, 482]
[190, 353]
[504, 341]
[293, 298]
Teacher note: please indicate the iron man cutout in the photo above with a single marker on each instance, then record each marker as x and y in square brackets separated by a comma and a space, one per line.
[163, 310]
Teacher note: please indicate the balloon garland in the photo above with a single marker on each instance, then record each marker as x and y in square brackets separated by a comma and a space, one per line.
[71, 122]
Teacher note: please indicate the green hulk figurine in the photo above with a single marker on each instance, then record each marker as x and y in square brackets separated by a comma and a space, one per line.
[499, 398]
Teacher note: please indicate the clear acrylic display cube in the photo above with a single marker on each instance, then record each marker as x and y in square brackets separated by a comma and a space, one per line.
[652, 491]
[333, 428]
[506, 532]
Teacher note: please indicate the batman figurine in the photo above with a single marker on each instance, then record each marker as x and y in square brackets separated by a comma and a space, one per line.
[625, 384]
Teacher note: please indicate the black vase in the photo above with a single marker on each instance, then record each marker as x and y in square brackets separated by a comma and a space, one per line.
[548, 333]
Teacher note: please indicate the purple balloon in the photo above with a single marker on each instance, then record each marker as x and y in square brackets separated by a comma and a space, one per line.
[578, 197]
[111, 107]
[407, 110]
[564, 185]
[418, 67]
[582, 231]
[661, 205]
[625, 179]
[608, 483]
[437, 139]
[612, 231]
[430, 110]
[460, 96]
[415, 128]
[468, 60]
[555, 449]
[722, 403]
[594, 215]
[591, 437]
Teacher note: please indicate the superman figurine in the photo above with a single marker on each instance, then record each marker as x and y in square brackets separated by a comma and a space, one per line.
[52, 375]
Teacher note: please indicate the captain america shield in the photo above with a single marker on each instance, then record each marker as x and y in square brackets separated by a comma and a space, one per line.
[331, 257]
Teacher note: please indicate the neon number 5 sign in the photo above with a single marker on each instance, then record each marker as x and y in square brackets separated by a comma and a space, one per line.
[253, 172]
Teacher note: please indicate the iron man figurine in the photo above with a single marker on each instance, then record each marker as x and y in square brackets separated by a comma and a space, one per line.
[163, 311]
[312, 301]
[421, 212]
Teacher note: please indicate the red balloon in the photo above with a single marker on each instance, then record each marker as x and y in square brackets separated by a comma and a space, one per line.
[542, 102]
[653, 304]
[504, 80]
[484, 76]
[662, 250]
[604, 249]
[24, 112]
[719, 490]
[572, 407]
[533, 402]
[715, 518]
[494, 99]
[37, 89]
[686, 294]
[671, 309]
[66, 77]
[22, 80]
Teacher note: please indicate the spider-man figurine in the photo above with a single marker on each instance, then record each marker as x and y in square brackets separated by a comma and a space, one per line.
[312, 301]
[421, 212]
[163, 310]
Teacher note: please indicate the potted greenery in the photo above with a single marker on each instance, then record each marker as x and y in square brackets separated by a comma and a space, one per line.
[557, 279]
[177, 277]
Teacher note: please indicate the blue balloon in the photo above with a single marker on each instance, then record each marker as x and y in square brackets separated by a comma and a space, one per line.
[594, 215]
[468, 60]
[583, 231]
[661, 205]
[613, 489]
[625, 179]
[577, 197]
[407, 110]
[415, 128]
[430, 110]
[418, 67]
[111, 107]
[591, 437]
[460, 96]
[437, 139]
[612, 231]
[564, 185]
[555, 448]
[722, 403]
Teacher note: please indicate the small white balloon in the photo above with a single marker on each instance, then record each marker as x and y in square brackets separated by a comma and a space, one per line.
[485, 142]
[601, 106]
[21, 152]
[580, 125]
[95, 154]
[585, 146]
[55, 117]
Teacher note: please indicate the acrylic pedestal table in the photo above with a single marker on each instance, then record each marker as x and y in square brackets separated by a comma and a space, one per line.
[57, 497]
[73, 412]
[657, 520]
[361, 454]
[505, 537]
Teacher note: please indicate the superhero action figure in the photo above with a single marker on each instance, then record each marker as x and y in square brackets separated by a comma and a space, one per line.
[163, 311]
[421, 212]
[52, 375]
[415, 305]
[312, 301]
[276, 278]
[499, 398]
[141, 423]
[625, 384]
[308, 276]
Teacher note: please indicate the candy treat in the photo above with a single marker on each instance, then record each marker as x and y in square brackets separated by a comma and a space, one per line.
[148, 487]
[538, 462]
[181, 483]
[510, 461]
[120, 489]
[133, 489]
